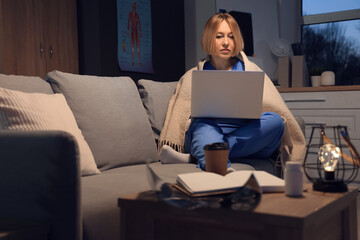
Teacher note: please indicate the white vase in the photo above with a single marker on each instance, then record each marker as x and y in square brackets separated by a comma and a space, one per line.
[327, 78]
[315, 81]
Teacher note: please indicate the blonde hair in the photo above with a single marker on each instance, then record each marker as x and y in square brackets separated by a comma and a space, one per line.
[210, 31]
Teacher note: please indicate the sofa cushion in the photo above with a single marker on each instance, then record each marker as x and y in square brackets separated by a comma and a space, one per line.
[25, 84]
[39, 111]
[155, 97]
[301, 123]
[111, 116]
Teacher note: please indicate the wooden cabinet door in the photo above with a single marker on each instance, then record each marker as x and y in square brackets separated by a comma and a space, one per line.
[38, 36]
[61, 35]
[22, 38]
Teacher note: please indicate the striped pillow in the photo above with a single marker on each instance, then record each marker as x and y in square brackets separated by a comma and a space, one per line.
[39, 111]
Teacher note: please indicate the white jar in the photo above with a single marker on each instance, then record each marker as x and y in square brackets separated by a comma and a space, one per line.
[293, 179]
[327, 78]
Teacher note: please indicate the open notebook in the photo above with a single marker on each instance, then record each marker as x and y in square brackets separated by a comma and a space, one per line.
[208, 183]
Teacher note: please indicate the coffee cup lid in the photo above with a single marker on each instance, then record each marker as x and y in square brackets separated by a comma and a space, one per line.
[217, 146]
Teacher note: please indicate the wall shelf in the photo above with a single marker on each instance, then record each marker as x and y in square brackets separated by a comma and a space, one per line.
[320, 89]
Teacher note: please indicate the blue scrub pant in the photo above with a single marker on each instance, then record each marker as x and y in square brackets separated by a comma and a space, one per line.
[247, 138]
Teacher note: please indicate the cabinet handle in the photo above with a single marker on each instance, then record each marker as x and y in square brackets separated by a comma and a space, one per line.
[305, 100]
[51, 52]
[41, 50]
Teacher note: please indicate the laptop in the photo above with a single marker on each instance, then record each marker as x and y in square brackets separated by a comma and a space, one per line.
[227, 94]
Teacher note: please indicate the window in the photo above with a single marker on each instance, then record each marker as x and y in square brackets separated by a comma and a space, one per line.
[331, 38]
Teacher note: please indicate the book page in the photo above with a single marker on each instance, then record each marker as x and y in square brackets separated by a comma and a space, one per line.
[202, 182]
[207, 181]
[267, 182]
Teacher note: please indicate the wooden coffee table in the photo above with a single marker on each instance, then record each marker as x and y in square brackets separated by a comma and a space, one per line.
[316, 215]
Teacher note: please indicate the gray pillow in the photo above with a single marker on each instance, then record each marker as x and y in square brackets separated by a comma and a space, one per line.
[155, 97]
[109, 113]
[25, 84]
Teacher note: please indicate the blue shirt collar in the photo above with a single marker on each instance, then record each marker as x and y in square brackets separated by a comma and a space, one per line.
[238, 66]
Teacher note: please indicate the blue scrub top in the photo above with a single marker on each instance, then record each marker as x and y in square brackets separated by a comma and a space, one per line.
[238, 66]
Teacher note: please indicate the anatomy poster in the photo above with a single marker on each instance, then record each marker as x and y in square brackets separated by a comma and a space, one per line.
[134, 35]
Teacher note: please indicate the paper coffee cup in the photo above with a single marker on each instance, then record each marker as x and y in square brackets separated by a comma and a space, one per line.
[216, 157]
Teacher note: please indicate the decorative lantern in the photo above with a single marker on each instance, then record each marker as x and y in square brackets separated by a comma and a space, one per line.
[331, 160]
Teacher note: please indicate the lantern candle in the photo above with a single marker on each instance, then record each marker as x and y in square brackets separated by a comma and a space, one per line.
[329, 155]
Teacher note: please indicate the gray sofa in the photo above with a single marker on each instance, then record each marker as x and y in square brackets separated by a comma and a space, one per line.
[41, 179]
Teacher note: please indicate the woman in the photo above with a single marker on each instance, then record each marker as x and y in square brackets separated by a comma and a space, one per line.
[223, 44]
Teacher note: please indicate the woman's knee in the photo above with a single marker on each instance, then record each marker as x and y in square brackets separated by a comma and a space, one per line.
[273, 121]
[275, 118]
[204, 125]
[201, 132]
[270, 115]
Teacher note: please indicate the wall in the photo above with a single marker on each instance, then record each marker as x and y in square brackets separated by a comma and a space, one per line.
[177, 29]
[197, 12]
[289, 20]
[97, 24]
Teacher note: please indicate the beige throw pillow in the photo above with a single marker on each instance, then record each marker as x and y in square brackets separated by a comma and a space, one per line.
[39, 111]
